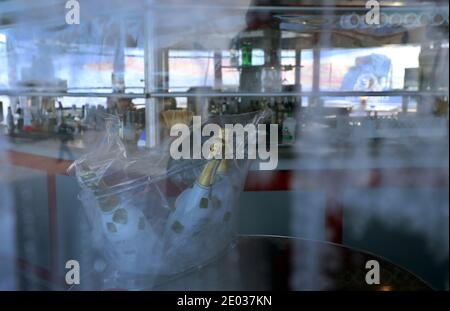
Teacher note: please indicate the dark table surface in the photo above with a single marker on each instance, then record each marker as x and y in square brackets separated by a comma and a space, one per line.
[270, 263]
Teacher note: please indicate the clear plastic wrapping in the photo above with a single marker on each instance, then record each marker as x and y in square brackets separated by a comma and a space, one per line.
[149, 214]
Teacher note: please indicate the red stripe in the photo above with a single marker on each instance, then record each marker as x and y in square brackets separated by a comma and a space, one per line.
[337, 180]
[334, 218]
[330, 181]
[268, 181]
[40, 272]
[282, 180]
[37, 162]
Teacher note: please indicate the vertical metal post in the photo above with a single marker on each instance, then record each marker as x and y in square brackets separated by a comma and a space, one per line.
[298, 65]
[118, 74]
[316, 74]
[152, 110]
[217, 70]
[12, 69]
[298, 79]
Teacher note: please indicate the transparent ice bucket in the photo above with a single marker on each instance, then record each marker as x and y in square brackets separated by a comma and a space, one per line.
[149, 214]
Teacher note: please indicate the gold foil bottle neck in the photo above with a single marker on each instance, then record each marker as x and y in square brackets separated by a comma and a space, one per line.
[223, 167]
[206, 178]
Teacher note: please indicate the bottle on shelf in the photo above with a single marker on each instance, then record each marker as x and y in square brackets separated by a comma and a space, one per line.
[288, 129]
[1, 112]
[10, 121]
[246, 54]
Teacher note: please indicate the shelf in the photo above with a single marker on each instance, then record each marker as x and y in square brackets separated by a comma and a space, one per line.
[226, 94]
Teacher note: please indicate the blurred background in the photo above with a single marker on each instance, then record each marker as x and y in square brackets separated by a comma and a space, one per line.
[362, 113]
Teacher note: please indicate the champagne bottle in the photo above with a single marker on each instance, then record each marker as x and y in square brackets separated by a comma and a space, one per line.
[225, 192]
[131, 237]
[194, 203]
[191, 234]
